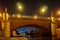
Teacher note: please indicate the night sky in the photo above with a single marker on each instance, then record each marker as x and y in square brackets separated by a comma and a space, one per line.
[31, 7]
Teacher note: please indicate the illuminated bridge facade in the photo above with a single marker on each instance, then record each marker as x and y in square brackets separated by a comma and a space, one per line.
[16, 23]
[9, 25]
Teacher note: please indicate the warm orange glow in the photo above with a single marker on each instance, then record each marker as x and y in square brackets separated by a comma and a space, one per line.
[13, 15]
[0, 15]
[7, 16]
[35, 17]
[58, 12]
[20, 6]
[48, 17]
[43, 10]
[58, 18]
[18, 16]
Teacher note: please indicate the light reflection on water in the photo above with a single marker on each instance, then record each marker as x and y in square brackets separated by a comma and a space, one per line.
[54, 38]
[44, 38]
[35, 38]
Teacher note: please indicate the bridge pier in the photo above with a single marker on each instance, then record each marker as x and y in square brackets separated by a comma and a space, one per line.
[6, 24]
[53, 28]
[6, 28]
[53, 25]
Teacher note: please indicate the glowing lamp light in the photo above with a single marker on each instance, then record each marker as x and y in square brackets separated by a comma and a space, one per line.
[13, 15]
[58, 12]
[24, 16]
[58, 18]
[0, 15]
[35, 17]
[20, 6]
[18, 16]
[43, 10]
[48, 17]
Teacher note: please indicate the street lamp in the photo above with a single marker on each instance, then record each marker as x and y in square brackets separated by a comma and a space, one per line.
[13, 15]
[59, 19]
[58, 12]
[20, 6]
[18, 15]
[0, 15]
[43, 10]
[35, 17]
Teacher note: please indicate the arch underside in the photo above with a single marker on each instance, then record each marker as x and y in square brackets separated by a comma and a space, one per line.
[45, 31]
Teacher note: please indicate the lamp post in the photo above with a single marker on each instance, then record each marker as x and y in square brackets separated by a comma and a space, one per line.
[43, 11]
[20, 7]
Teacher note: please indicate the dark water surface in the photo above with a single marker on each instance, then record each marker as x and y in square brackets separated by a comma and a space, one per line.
[33, 38]
[45, 38]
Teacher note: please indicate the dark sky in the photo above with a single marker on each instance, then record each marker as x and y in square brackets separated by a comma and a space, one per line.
[30, 6]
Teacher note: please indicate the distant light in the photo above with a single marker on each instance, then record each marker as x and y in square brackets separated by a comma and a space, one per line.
[58, 12]
[13, 15]
[58, 18]
[23, 16]
[20, 6]
[48, 17]
[43, 10]
[18, 16]
[35, 17]
[0, 15]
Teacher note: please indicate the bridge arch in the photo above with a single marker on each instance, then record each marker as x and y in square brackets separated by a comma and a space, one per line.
[43, 29]
[32, 25]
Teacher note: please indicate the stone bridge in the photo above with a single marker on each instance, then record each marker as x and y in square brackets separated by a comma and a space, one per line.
[18, 23]
[44, 24]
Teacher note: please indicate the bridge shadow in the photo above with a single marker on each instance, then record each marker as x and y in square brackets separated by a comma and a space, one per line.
[40, 31]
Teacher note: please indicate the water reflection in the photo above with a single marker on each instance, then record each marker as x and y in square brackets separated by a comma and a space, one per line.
[38, 38]
[32, 33]
[44, 38]
[54, 38]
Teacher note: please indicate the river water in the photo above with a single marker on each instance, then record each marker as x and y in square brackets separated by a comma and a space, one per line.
[33, 38]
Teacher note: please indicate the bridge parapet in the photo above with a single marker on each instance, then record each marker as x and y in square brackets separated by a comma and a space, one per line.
[16, 23]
